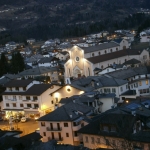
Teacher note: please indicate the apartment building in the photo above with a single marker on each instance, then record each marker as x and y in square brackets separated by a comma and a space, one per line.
[27, 97]
[138, 78]
[63, 123]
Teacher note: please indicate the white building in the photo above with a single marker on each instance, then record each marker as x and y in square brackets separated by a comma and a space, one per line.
[63, 123]
[27, 97]
[84, 61]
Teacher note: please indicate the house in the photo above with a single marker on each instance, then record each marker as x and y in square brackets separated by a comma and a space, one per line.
[26, 51]
[27, 97]
[129, 36]
[11, 45]
[124, 44]
[145, 36]
[117, 128]
[31, 40]
[103, 84]
[48, 62]
[33, 60]
[110, 68]
[138, 78]
[100, 102]
[52, 72]
[63, 123]
[49, 42]
[62, 55]
[132, 63]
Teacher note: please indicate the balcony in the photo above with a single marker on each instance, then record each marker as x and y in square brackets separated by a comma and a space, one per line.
[76, 138]
[30, 109]
[54, 129]
[76, 128]
[14, 99]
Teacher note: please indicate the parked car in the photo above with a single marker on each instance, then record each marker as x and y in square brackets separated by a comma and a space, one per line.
[23, 119]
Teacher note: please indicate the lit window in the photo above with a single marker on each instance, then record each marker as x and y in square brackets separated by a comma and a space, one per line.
[146, 82]
[140, 83]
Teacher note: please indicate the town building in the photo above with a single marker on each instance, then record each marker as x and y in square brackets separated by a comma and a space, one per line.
[27, 97]
[52, 72]
[119, 128]
[63, 123]
[81, 65]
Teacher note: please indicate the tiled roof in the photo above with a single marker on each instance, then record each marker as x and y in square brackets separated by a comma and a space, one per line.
[132, 61]
[63, 113]
[108, 56]
[99, 47]
[38, 71]
[130, 72]
[47, 59]
[36, 89]
[18, 83]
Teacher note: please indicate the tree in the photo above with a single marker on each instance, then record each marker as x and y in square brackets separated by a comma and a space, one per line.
[17, 63]
[3, 65]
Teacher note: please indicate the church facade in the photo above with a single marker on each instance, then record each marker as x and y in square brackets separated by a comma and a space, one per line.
[77, 65]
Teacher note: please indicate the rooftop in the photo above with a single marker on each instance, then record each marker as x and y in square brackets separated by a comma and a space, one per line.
[18, 83]
[100, 47]
[67, 112]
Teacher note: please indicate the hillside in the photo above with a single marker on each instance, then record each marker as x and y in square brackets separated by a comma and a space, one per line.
[49, 18]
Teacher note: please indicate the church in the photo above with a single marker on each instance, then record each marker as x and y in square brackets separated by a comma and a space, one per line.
[105, 55]
[77, 65]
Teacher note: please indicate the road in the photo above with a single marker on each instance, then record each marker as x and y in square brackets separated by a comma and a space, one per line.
[26, 127]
